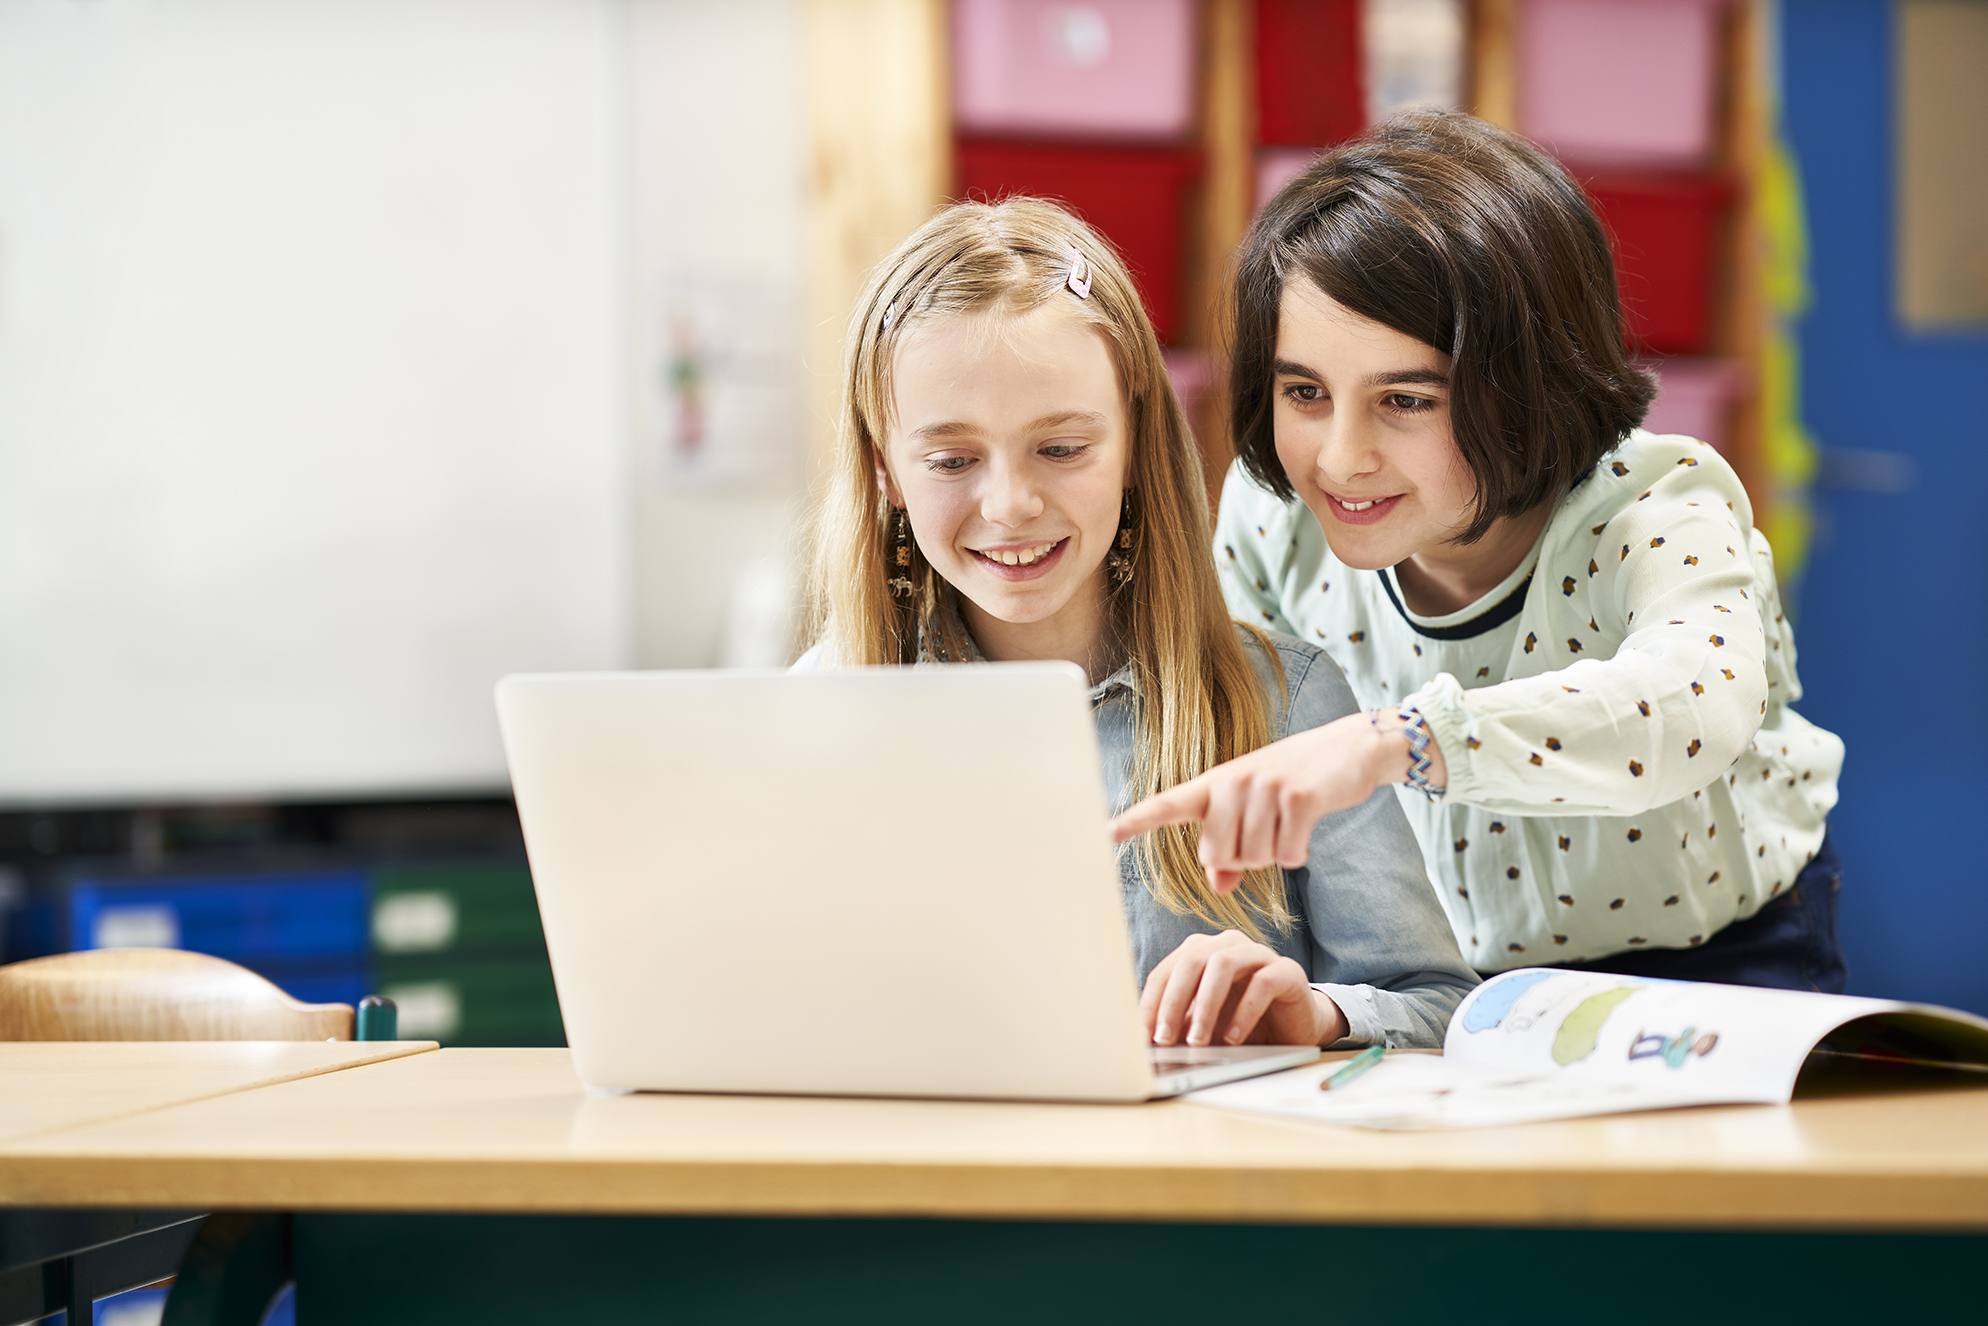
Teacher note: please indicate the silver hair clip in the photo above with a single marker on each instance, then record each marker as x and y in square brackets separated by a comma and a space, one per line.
[890, 315]
[1080, 275]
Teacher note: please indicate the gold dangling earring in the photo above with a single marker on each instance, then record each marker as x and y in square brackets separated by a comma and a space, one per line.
[1118, 562]
[900, 554]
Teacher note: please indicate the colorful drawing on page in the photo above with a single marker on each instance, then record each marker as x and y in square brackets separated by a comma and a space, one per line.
[1491, 1006]
[1673, 1050]
[1578, 1034]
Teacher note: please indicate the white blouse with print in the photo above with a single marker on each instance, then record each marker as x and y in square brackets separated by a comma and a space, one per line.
[1624, 770]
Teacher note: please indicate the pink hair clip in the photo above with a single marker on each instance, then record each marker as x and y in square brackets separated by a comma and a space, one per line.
[1080, 275]
[890, 315]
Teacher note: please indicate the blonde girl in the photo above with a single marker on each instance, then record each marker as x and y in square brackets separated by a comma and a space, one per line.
[1014, 479]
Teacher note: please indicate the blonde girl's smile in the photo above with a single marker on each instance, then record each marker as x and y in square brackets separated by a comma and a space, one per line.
[1021, 563]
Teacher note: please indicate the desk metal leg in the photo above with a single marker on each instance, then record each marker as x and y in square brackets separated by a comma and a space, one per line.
[402, 1270]
[63, 1260]
[77, 1301]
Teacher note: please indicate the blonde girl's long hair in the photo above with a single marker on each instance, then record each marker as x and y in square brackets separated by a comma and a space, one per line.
[1199, 702]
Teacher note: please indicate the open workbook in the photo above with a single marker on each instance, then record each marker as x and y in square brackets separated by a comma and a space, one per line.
[1540, 1043]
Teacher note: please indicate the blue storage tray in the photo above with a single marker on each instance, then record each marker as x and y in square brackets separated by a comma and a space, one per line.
[244, 918]
[148, 1305]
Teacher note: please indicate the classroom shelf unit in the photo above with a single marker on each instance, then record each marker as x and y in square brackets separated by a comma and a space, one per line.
[885, 151]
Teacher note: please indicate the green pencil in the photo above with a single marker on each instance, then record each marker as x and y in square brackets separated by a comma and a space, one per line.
[1353, 1067]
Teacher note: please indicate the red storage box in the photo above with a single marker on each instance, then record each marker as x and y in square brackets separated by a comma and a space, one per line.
[1136, 196]
[1107, 69]
[1310, 90]
[1665, 233]
[1620, 82]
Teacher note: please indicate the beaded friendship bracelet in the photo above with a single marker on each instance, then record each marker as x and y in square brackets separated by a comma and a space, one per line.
[1416, 729]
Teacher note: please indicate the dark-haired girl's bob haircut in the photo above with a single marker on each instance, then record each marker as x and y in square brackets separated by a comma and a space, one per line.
[1474, 241]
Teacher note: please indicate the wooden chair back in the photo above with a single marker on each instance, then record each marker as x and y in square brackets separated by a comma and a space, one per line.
[155, 994]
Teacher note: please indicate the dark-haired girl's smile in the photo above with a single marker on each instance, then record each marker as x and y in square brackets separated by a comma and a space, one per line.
[1362, 510]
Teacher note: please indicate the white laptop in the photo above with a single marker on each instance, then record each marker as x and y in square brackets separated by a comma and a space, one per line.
[877, 882]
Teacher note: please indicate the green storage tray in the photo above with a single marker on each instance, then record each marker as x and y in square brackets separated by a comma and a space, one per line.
[457, 910]
[504, 1001]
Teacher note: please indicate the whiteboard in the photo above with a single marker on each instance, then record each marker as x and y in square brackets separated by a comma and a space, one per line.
[313, 387]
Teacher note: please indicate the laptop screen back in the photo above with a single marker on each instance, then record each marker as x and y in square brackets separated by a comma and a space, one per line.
[876, 881]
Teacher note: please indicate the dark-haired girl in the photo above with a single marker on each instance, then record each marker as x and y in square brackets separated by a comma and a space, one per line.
[1566, 630]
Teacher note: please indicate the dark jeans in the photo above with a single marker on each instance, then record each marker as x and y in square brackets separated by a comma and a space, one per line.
[1790, 944]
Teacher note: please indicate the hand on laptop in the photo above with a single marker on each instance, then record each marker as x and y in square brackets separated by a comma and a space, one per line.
[1227, 989]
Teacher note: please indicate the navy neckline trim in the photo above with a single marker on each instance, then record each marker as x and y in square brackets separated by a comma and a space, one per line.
[1489, 620]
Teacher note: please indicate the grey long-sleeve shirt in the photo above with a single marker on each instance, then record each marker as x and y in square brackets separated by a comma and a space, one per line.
[1371, 935]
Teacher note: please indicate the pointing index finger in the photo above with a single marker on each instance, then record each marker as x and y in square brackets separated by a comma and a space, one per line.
[1176, 805]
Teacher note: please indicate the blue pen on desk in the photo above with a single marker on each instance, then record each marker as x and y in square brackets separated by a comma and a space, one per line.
[1353, 1067]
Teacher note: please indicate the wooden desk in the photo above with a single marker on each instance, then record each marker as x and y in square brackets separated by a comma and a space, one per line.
[50, 1250]
[52, 1085]
[978, 1211]
[513, 1131]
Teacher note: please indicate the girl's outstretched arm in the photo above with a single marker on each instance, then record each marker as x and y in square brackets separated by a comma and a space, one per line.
[1658, 692]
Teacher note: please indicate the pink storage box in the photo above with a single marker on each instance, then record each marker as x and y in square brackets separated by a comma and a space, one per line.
[1695, 396]
[1193, 375]
[1111, 69]
[1620, 82]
